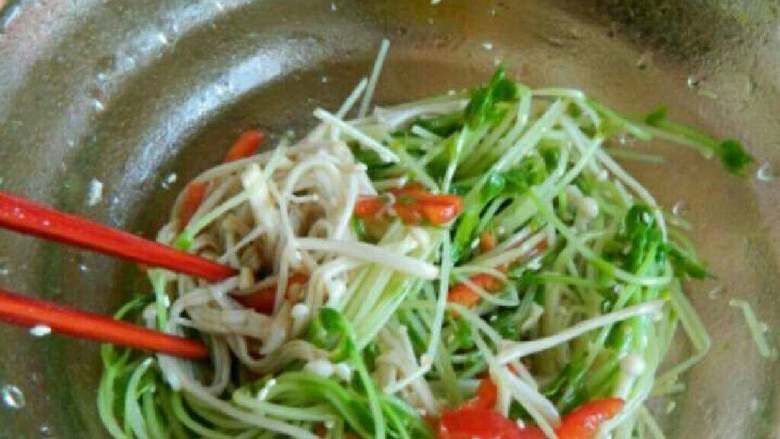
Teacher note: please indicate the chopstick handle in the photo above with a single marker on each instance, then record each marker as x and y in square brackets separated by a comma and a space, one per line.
[24, 311]
[35, 219]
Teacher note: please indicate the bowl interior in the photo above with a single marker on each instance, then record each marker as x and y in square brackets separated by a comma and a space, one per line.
[141, 96]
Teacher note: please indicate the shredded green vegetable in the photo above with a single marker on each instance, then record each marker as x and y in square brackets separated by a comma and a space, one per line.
[395, 322]
[758, 330]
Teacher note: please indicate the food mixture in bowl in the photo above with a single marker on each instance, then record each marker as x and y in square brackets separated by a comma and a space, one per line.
[473, 265]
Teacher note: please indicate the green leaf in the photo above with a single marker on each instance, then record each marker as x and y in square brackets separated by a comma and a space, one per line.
[733, 156]
[359, 228]
[506, 325]
[551, 156]
[686, 264]
[644, 237]
[655, 118]
[492, 187]
[443, 125]
[464, 233]
[482, 106]
[530, 172]
[183, 241]
[731, 152]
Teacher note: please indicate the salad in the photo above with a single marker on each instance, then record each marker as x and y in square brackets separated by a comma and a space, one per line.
[472, 265]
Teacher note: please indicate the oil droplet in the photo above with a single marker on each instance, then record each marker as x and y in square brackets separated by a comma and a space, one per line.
[169, 180]
[83, 268]
[487, 45]
[765, 172]
[12, 397]
[324, 79]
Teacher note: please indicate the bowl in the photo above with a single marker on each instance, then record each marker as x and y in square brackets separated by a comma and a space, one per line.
[140, 96]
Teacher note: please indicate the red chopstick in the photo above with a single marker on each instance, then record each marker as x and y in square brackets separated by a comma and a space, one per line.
[25, 311]
[35, 219]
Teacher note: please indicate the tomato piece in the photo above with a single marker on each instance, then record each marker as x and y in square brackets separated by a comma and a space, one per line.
[487, 242]
[409, 213]
[463, 294]
[440, 209]
[487, 395]
[413, 205]
[367, 207]
[479, 423]
[263, 301]
[246, 145]
[584, 421]
[193, 198]
[475, 421]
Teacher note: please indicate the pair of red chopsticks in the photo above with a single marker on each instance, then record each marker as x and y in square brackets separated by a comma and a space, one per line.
[34, 219]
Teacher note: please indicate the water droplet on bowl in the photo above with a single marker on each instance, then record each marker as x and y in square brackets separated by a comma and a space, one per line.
[715, 293]
[333, 7]
[163, 39]
[221, 89]
[40, 331]
[94, 192]
[693, 81]
[4, 268]
[766, 172]
[44, 430]
[645, 60]
[678, 209]
[169, 180]
[98, 105]
[12, 397]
